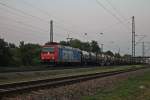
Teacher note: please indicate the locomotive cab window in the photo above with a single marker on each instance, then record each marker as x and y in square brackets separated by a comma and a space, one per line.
[48, 49]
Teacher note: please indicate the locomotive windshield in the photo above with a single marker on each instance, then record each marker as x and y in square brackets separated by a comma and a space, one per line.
[48, 49]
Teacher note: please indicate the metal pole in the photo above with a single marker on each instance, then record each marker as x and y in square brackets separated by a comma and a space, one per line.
[102, 45]
[51, 31]
[143, 49]
[69, 39]
[119, 51]
[133, 37]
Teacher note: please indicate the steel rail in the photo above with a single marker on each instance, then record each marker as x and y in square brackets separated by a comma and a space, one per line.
[6, 89]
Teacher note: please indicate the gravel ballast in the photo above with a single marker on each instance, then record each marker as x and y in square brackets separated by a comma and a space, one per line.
[78, 90]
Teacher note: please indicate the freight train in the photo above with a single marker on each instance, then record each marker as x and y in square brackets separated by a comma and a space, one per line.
[56, 54]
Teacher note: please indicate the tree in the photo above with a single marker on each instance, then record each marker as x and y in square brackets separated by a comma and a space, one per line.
[25, 54]
[127, 56]
[5, 54]
[29, 53]
[11, 45]
[117, 55]
[86, 46]
[95, 47]
[64, 43]
[109, 53]
[76, 43]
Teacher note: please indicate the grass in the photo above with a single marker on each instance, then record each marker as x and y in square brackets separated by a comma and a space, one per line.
[36, 75]
[134, 88]
[4, 69]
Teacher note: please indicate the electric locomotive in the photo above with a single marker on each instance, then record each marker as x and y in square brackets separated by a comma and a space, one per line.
[58, 54]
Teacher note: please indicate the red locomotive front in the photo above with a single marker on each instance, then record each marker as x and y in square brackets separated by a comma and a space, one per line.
[49, 53]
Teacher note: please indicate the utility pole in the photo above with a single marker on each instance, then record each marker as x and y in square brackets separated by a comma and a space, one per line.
[143, 49]
[86, 36]
[51, 31]
[119, 51]
[69, 39]
[102, 45]
[133, 37]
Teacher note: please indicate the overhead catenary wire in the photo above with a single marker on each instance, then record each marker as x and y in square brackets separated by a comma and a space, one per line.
[18, 10]
[113, 25]
[20, 27]
[148, 48]
[57, 20]
[116, 10]
[24, 13]
[25, 24]
[69, 31]
[27, 14]
[141, 38]
[28, 26]
[110, 12]
[15, 13]
[47, 13]
[60, 27]
[113, 14]
[20, 32]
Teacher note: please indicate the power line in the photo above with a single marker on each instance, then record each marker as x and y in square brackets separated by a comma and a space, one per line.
[44, 12]
[148, 50]
[39, 9]
[141, 38]
[50, 15]
[98, 2]
[8, 10]
[25, 24]
[114, 15]
[56, 19]
[18, 10]
[35, 17]
[115, 9]
[20, 31]
[32, 17]
[30, 26]
[113, 25]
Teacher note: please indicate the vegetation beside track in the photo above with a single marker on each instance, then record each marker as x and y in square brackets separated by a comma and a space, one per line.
[28, 54]
[134, 88]
[37, 75]
[22, 68]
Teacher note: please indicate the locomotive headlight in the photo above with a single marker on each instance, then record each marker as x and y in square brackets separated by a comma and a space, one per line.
[53, 57]
[42, 57]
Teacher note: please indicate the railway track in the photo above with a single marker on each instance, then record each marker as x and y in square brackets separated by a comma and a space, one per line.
[7, 89]
[42, 68]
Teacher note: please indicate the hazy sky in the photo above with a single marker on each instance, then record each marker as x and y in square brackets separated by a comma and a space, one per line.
[28, 20]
